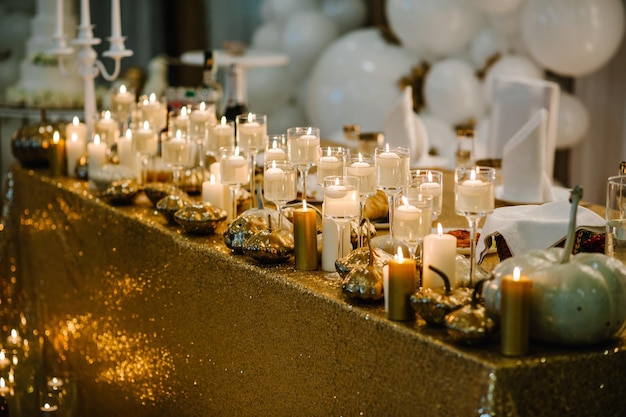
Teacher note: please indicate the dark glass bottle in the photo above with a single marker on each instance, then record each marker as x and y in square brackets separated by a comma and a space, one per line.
[210, 91]
[235, 105]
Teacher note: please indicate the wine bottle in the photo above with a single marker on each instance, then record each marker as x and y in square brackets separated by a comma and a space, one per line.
[210, 91]
[235, 105]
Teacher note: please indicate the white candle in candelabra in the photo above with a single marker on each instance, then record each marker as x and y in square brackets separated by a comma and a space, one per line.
[440, 252]
[77, 127]
[58, 32]
[116, 21]
[218, 194]
[96, 152]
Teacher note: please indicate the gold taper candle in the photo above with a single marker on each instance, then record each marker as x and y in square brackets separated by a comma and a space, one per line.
[305, 238]
[57, 155]
[400, 287]
[516, 291]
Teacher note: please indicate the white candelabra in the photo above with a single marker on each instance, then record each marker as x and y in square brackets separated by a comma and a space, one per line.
[88, 67]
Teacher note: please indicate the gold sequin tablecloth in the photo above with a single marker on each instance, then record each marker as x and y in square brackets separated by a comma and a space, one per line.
[153, 322]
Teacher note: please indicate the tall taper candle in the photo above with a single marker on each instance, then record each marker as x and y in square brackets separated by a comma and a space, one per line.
[401, 285]
[305, 238]
[515, 313]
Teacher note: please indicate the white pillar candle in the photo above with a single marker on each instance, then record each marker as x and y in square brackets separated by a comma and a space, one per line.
[116, 23]
[97, 153]
[219, 195]
[330, 243]
[77, 127]
[125, 150]
[440, 252]
[74, 150]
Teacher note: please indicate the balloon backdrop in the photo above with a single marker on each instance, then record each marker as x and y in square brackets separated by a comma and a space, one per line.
[497, 7]
[347, 14]
[573, 121]
[573, 37]
[510, 66]
[453, 92]
[355, 81]
[434, 28]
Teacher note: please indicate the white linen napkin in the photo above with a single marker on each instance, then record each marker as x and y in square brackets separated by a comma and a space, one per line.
[403, 127]
[524, 176]
[528, 227]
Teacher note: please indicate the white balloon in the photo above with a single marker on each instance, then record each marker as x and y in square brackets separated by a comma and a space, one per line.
[355, 81]
[573, 37]
[268, 36]
[573, 121]
[305, 35]
[452, 91]
[347, 14]
[513, 66]
[507, 24]
[268, 88]
[497, 7]
[441, 137]
[434, 28]
[266, 11]
[284, 9]
[481, 138]
[487, 43]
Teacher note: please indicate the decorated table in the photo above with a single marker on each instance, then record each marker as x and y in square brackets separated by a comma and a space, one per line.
[148, 321]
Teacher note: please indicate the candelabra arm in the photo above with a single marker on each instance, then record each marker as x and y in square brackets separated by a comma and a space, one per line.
[116, 70]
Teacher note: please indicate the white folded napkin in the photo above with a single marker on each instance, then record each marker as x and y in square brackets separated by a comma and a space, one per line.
[528, 227]
[524, 176]
[515, 100]
[403, 127]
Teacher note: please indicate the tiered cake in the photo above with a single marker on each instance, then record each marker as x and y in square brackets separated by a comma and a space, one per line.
[41, 82]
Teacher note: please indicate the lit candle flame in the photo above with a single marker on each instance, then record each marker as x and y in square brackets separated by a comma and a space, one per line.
[439, 229]
[74, 137]
[516, 273]
[183, 111]
[236, 150]
[360, 157]
[152, 97]
[387, 147]
[202, 106]
[122, 89]
[2, 355]
[107, 115]
[212, 179]
[129, 134]
[473, 174]
[303, 204]
[309, 131]
[251, 117]
[274, 145]
[179, 134]
[96, 139]
[146, 124]
[399, 255]
[405, 201]
[274, 164]
[223, 121]
[430, 176]
[75, 121]
[55, 137]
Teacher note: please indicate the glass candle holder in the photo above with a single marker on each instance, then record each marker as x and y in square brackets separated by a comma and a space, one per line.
[251, 134]
[331, 162]
[302, 144]
[427, 182]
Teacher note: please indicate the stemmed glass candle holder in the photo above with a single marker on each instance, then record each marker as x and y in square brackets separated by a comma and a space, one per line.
[144, 144]
[392, 174]
[331, 162]
[276, 149]
[153, 110]
[280, 184]
[201, 117]
[427, 182]
[179, 120]
[412, 221]
[221, 135]
[302, 144]
[362, 166]
[176, 148]
[123, 103]
[341, 204]
[251, 131]
[474, 199]
[107, 128]
[234, 171]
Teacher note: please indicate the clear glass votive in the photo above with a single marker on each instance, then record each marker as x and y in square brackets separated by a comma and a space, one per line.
[331, 161]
